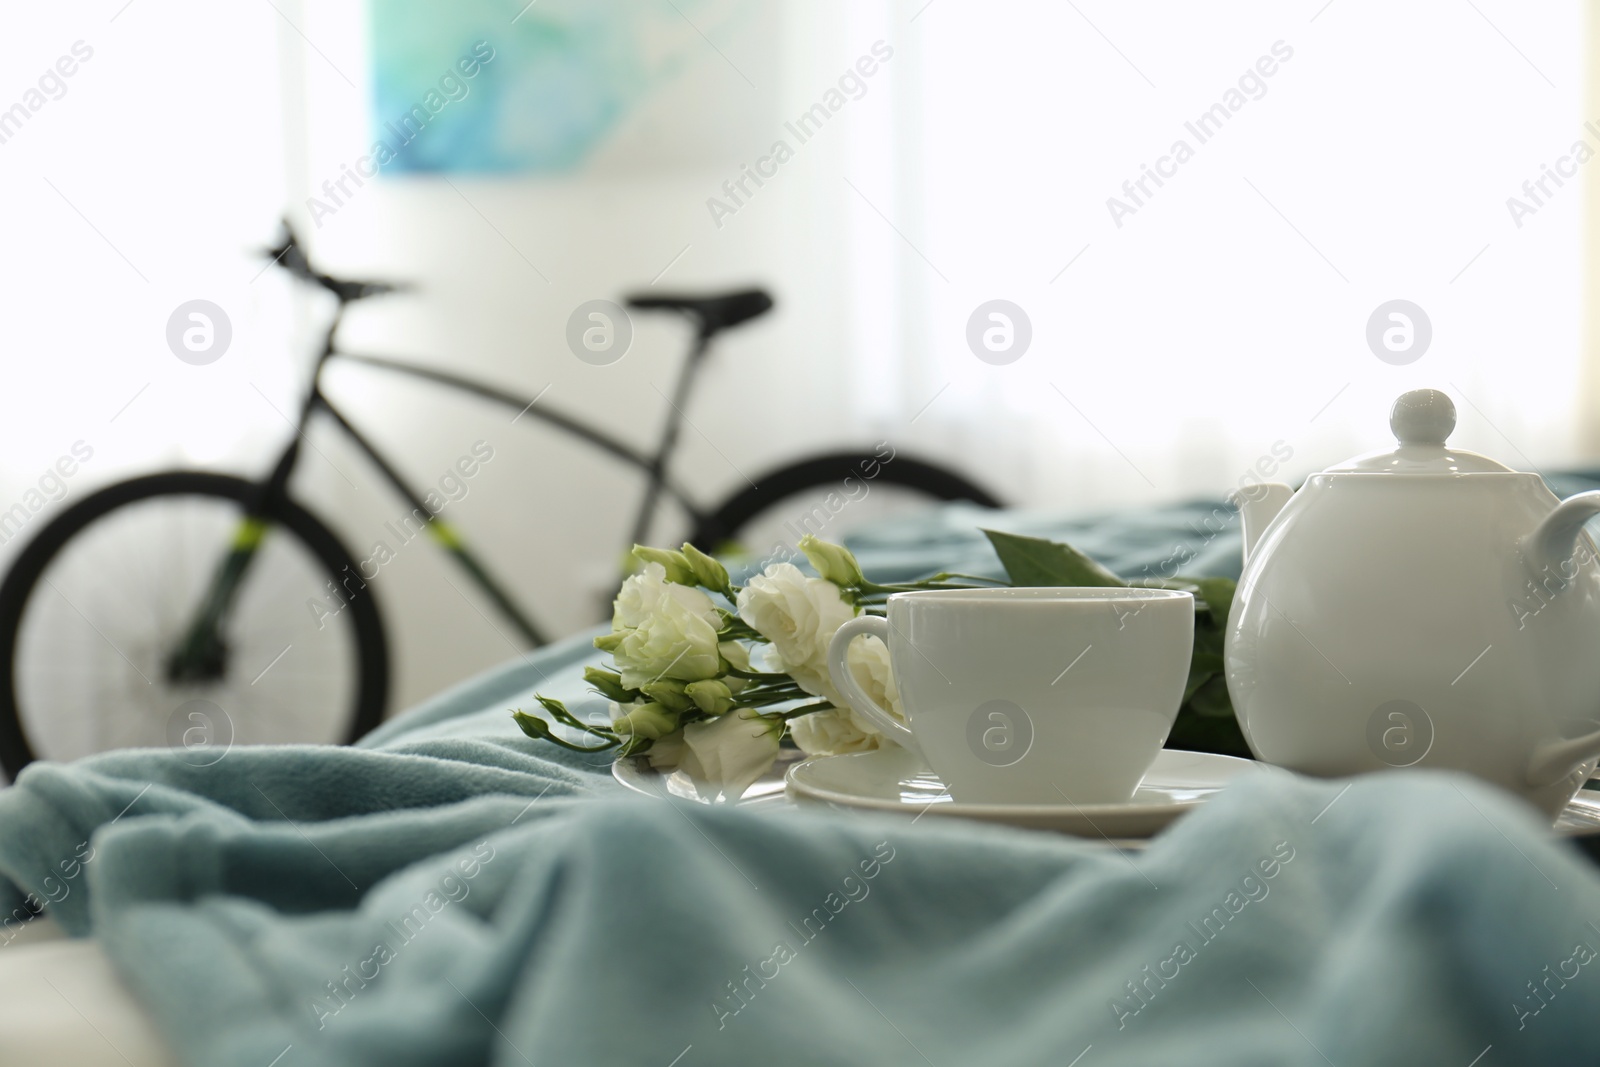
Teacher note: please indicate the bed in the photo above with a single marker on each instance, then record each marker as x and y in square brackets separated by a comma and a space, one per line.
[452, 892]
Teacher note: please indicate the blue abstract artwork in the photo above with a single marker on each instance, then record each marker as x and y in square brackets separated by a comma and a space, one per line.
[493, 86]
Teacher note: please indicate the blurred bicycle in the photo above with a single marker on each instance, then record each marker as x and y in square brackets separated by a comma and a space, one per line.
[140, 613]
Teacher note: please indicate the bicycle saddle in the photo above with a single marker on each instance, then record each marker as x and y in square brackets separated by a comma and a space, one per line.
[715, 312]
[291, 257]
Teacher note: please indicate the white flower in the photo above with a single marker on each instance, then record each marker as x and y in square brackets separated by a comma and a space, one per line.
[667, 630]
[799, 616]
[642, 591]
[665, 753]
[731, 751]
[869, 663]
[831, 733]
[737, 656]
[844, 730]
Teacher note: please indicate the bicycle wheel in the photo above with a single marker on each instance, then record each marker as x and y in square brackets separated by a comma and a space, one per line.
[842, 480]
[94, 606]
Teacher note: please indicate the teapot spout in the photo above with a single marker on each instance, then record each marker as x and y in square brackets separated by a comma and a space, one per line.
[1556, 546]
[1259, 504]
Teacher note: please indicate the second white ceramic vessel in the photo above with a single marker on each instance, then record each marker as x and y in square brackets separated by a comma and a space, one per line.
[1421, 607]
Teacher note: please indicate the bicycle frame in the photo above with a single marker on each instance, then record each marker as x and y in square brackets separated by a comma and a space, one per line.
[201, 652]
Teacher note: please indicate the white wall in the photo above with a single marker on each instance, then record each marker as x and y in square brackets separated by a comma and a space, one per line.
[1229, 312]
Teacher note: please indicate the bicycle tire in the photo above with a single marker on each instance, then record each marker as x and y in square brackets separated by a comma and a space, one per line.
[816, 472]
[372, 668]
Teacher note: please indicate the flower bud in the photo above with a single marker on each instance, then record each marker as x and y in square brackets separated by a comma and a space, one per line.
[735, 655]
[710, 696]
[678, 569]
[608, 684]
[832, 562]
[707, 571]
[645, 720]
[668, 693]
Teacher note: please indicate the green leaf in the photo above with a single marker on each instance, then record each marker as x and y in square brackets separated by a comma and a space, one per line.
[1214, 595]
[1205, 660]
[1182, 585]
[1212, 699]
[1207, 655]
[1206, 722]
[1197, 733]
[1217, 593]
[1035, 561]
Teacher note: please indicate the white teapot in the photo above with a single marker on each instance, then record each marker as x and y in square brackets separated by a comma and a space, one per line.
[1422, 607]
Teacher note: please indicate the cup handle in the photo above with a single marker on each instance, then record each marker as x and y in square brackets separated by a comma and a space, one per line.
[845, 682]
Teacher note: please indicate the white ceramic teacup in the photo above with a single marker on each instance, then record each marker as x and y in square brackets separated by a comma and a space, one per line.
[1030, 695]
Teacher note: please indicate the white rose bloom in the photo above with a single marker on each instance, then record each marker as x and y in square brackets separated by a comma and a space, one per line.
[843, 730]
[869, 663]
[731, 751]
[799, 616]
[669, 630]
[640, 593]
[830, 733]
[666, 753]
[637, 596]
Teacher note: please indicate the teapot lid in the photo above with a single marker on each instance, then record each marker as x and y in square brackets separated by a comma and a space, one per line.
[1421, 420]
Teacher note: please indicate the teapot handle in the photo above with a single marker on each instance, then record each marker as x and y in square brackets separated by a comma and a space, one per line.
[1557, 539]
[1554, 546]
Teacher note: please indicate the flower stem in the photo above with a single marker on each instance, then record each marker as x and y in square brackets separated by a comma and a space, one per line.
[760, 692]
[558, 711]
[736, 629]
[758, 676]
[794, 713]
[536, 727]
[772, 695]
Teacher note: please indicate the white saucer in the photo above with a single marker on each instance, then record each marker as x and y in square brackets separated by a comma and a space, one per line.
[893, 779]
[768, 791]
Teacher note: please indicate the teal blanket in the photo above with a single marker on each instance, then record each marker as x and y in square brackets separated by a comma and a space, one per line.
[451, 892]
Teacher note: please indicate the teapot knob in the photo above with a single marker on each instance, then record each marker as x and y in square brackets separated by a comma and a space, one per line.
[1423, 417]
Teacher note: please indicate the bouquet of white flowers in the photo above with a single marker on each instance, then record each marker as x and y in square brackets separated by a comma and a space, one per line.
[710, 676]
